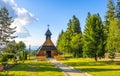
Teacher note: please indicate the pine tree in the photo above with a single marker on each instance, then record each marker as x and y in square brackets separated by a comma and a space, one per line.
[5, 30]
[72, 35]
[76, 45]
[118, 10]
[110, 14]
[59, 41]
[86, 37]
[75, 36]
[76, 25]
[93, 37]
[113, 41]
[21, 49]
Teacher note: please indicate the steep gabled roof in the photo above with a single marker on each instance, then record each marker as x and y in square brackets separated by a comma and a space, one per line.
[48, 45]
[48, 42]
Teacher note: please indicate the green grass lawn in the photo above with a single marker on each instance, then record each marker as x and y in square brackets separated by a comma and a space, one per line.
[99, 68]
[32, 68]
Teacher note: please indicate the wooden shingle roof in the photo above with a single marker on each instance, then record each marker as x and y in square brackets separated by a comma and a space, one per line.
[48, 45]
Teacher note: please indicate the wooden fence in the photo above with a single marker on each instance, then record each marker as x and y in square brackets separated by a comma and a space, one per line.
[42, 58]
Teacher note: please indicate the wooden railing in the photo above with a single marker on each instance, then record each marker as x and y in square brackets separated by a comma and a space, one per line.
[41, 58]
[58, 57]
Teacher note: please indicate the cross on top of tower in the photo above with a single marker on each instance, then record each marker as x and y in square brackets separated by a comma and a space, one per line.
[48, 33]
[48, 26]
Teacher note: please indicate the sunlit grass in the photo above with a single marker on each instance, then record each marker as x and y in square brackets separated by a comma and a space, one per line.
[99, 68]
[33, 68]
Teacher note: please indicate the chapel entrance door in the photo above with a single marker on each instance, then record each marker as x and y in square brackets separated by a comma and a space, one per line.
[48, 54]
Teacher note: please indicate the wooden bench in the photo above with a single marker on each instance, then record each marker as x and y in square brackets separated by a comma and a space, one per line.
[59, 57]
[41, 58]
[1, 68]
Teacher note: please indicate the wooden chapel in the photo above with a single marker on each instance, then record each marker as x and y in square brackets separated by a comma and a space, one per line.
[48, 49]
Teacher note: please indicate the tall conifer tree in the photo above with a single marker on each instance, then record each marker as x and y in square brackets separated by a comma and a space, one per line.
[5, 30]
[93, 37]
[113, 41]
[118, 10]
[110, 14]
[70, 37]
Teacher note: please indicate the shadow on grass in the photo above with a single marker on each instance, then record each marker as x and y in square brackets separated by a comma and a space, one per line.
[98, 66]
[98, 69]
[98, 63]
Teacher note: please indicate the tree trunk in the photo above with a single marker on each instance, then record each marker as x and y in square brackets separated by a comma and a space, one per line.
[95, 57]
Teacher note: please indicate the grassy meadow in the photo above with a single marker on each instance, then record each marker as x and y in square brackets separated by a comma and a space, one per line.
[33, 68]
[100, 68]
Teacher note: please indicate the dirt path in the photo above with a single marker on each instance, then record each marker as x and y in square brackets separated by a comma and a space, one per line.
[68, 70]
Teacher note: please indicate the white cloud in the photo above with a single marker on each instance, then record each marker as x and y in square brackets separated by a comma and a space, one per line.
[22, 17]
[22, 32]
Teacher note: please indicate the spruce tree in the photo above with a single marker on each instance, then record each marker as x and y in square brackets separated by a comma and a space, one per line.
[110, 14]
[86, 37]
[75, 36]
[76, 45]
[118, 10]
[93, 37]
[5, 30]
[72, 35]
[113, 41]
[76, 25]
[59, 41]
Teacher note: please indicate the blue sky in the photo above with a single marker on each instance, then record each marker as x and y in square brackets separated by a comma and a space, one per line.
[56, 13]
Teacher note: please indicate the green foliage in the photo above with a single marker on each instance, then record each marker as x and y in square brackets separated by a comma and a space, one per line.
[118, 10]
[67, 40]
[21, 49]
[76, 45]
[74, 25]
[60, 42]
[110, 15]
[20, 46]
[4, 58]
[10, 55]
[25, 55]
[5, 30]
[15, 49]
[93, 37]
[113, 40]
[11, 48]
[111, 54]
[100, 68]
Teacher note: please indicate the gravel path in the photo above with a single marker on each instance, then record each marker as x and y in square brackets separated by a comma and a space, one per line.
[68, 70]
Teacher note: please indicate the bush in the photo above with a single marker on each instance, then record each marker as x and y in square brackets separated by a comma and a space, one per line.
[25, 55]
[10, 56]
[4, 58]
